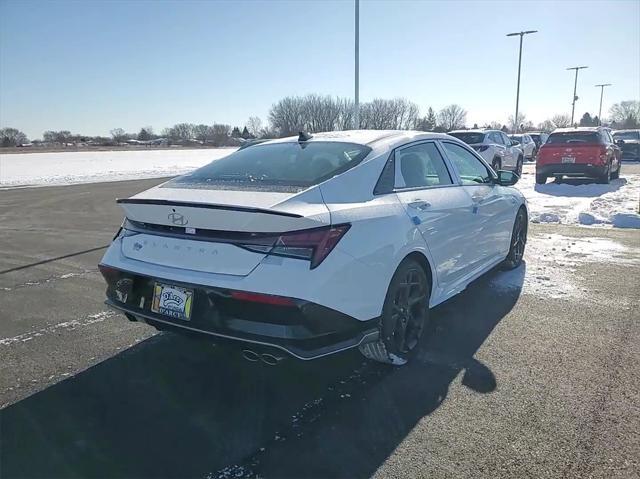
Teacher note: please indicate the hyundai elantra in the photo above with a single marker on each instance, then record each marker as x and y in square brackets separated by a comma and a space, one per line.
[313, 244]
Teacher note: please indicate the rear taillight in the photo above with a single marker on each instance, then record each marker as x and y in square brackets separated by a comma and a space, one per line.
[110, 274]
[313, 245]
[603, 153]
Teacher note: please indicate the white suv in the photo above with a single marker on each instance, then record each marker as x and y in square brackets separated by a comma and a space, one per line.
[495, 147]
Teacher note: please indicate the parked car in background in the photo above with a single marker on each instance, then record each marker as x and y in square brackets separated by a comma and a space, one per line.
[495, 147]
[579, 152]
[629, 141]
[539, 138]
[526, 144]
[314, 244]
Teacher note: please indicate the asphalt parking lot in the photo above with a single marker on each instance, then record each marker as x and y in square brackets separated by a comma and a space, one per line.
[512, 382]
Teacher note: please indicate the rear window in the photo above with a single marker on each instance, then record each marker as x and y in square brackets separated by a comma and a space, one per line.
[277, 166]
[627, 135]
[573, 137]
[469, 137]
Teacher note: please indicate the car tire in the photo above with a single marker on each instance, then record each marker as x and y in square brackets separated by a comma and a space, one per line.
[518, 241]
[496, 164]
[616, 174]
[541, 179]
[605, 178]
[405, 316]
[519, 166]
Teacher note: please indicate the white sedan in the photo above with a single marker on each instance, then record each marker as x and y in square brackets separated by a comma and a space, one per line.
[310, 245]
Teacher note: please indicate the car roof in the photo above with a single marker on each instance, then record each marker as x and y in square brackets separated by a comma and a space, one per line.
[363, 137]
[625, 131]
[577, 128]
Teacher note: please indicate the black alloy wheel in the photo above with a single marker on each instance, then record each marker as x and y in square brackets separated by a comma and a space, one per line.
[405, 315]
[518, 241]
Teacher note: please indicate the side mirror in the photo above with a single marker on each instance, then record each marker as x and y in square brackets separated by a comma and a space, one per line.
[507, 178]
[515, 143]
[619, 142]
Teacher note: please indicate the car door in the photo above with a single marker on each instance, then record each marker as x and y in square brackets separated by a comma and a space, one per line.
[616, 151]
[492, 210]
[440, 208]
[511, 152]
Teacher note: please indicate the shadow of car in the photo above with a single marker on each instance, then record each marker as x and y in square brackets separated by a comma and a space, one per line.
[175, 407]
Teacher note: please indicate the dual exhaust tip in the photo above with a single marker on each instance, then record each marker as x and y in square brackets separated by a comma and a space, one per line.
[267, 358]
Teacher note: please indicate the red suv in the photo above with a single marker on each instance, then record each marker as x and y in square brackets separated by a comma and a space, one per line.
[583, 152]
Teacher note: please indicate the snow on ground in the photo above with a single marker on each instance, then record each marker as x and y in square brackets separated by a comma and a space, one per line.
[64, 168]
[550, 264]
[583, 202]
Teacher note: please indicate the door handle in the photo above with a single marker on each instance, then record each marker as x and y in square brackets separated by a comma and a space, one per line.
[477, 198]
[420, 205]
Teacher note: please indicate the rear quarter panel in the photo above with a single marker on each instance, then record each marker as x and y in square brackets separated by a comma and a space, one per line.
[381, 233]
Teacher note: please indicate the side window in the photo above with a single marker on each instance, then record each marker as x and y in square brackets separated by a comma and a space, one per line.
[605, 137]
[609, 137]
[420, 166]
[472, 171]
[495, 138]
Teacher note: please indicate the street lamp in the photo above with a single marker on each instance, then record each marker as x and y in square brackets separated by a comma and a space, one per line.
[602, 85]
[575, 86]
[521, 34]
[356, 113]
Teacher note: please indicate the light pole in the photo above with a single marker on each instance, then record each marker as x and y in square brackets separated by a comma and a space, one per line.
[575, 86]
[602, 85]
[521, 34]
[356, 113]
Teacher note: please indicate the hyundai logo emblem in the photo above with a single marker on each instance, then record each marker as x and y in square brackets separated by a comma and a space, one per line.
[177, 219]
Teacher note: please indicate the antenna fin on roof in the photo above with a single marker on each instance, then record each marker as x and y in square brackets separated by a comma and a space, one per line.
[304, 136]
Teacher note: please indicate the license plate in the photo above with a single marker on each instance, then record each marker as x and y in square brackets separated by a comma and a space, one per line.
[172, 301]
[568, 159]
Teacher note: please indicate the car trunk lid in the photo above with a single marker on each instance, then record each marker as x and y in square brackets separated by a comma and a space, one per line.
[202, 229]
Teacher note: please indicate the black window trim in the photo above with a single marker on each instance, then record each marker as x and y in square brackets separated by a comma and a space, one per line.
[492, 174]
[455, 180]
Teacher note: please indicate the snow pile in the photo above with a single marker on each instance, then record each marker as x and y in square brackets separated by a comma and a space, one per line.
[583, 201]
[63, 168]
[551, 260]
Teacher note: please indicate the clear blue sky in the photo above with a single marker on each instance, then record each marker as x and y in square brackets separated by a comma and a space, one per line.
[90, 66]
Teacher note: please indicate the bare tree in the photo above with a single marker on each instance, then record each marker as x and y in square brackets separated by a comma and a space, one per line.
[145, 133]
[61, 137]
[347, 110]
[220, 134]
[547, 126]
[12, 137]
[203, 133]
[181, 133]
[396, 114]
[118, 135]
[452, 117]
[625, 114]
[254, 125]
[287, 116]
[561, 121]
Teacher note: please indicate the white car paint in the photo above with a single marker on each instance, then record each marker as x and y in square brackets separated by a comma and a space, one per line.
[526, 144]
[461, 230]
[496, 148]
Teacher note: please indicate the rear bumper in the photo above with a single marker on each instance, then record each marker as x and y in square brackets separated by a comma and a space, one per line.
[571, 169]
[300, 328]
